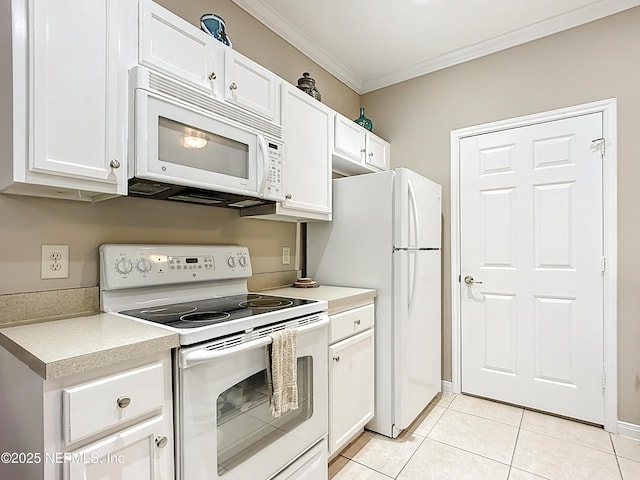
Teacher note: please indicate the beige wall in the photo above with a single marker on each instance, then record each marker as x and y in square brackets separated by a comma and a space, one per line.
[592, 62]
[28, 222]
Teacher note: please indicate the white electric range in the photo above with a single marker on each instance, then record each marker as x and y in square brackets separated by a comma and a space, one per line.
[224, 427]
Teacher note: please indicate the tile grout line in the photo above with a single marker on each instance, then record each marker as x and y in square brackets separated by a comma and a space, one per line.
[423, 439]
[515, 445]
[615, 452]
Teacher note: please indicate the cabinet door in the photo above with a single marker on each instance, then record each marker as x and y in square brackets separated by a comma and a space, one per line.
[252, 86]
[73, 78]
[378, 152]
[349, 139]
[351, 388]
[175, 47]
[141, 452]
[307, 152]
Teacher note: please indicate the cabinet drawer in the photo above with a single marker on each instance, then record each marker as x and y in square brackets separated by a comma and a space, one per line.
[351, 322]
[102, 404]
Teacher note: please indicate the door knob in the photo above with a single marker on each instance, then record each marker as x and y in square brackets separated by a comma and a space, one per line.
[470, 281]
[161, 442]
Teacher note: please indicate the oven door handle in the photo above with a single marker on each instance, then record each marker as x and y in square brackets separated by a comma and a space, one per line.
[203, 355]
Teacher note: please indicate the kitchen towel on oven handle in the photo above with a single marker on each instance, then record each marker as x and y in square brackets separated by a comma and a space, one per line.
[282, 371]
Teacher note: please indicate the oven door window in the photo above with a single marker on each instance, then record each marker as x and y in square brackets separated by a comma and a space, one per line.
[244, 421]
[192, 147]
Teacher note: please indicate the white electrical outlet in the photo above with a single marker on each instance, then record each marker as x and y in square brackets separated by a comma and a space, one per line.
[55, 261]
[286, 255]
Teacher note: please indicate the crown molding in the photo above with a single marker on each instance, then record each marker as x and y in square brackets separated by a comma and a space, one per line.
[260, 10]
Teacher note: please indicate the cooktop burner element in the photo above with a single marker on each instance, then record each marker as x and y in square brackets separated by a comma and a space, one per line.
[205, 317]
[214, 310]
[267, 303]
[171, 310]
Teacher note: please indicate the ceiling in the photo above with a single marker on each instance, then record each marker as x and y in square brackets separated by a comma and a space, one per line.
[370, 44]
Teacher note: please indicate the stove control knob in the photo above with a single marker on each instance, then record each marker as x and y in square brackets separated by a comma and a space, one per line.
[231, 261]
[242, 260]
[124, 266]
[143, 265]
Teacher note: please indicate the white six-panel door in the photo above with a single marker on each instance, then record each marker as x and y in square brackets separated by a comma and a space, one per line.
[531, 231]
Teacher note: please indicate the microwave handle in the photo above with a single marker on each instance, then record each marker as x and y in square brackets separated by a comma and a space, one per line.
[265, 161]
[203, 355]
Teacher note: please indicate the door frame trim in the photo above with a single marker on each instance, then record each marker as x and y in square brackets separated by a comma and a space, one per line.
[608, 109]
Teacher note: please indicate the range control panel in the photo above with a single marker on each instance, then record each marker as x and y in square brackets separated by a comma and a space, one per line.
[131, 266]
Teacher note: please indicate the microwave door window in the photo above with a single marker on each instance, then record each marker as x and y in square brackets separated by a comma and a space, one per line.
[188, 146]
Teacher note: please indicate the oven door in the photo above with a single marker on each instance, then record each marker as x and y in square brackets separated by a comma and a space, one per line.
[176, 144]
[224, 423]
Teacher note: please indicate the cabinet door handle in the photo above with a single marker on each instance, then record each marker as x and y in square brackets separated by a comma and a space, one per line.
[371, 155]
[288, 196]
[212, 76]
[336, 358]
[114, 163]
[123, 401]
[364, 150]
[233, 86]
[161, 442]
[357, 322]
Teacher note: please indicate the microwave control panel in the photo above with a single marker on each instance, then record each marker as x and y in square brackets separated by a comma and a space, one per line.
[273, 189]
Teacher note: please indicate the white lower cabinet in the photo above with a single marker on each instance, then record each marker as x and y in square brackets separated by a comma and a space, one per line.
[138, 452]
[351, 375]
[112, 422]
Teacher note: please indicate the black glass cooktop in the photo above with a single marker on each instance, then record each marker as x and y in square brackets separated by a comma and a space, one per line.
[215, 310]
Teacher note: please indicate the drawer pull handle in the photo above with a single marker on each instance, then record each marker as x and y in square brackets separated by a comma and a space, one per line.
[357, 322]
[233, 86]
[337, 358]
[212, 76]
[123, 401]
[161, 442]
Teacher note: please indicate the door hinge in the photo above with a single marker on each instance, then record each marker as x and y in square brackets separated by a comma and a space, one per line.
[603, 264]
[604, 380]
[599, 144]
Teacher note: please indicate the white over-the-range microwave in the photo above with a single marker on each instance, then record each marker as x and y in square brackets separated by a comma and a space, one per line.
[190, 147]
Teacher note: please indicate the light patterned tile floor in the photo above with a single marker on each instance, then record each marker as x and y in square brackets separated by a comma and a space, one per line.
[467, 438]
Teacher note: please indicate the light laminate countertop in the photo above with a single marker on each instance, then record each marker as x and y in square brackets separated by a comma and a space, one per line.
[58, 348]
[338, 298]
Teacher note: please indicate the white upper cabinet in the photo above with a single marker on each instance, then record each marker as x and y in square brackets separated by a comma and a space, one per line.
[377, 152]
[252, 86]
[357, 150]
[307, 153]
[175, 47]
[64, 130]
[308, 142]
[349, 139]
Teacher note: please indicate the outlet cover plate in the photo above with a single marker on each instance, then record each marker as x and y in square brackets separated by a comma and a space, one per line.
[55, 261]
[286, 255]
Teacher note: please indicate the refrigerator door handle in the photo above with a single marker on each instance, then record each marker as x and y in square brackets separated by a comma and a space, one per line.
[414, 278]
[413, 207]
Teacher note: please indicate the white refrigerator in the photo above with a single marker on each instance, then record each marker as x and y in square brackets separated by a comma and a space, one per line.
[385, 234]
